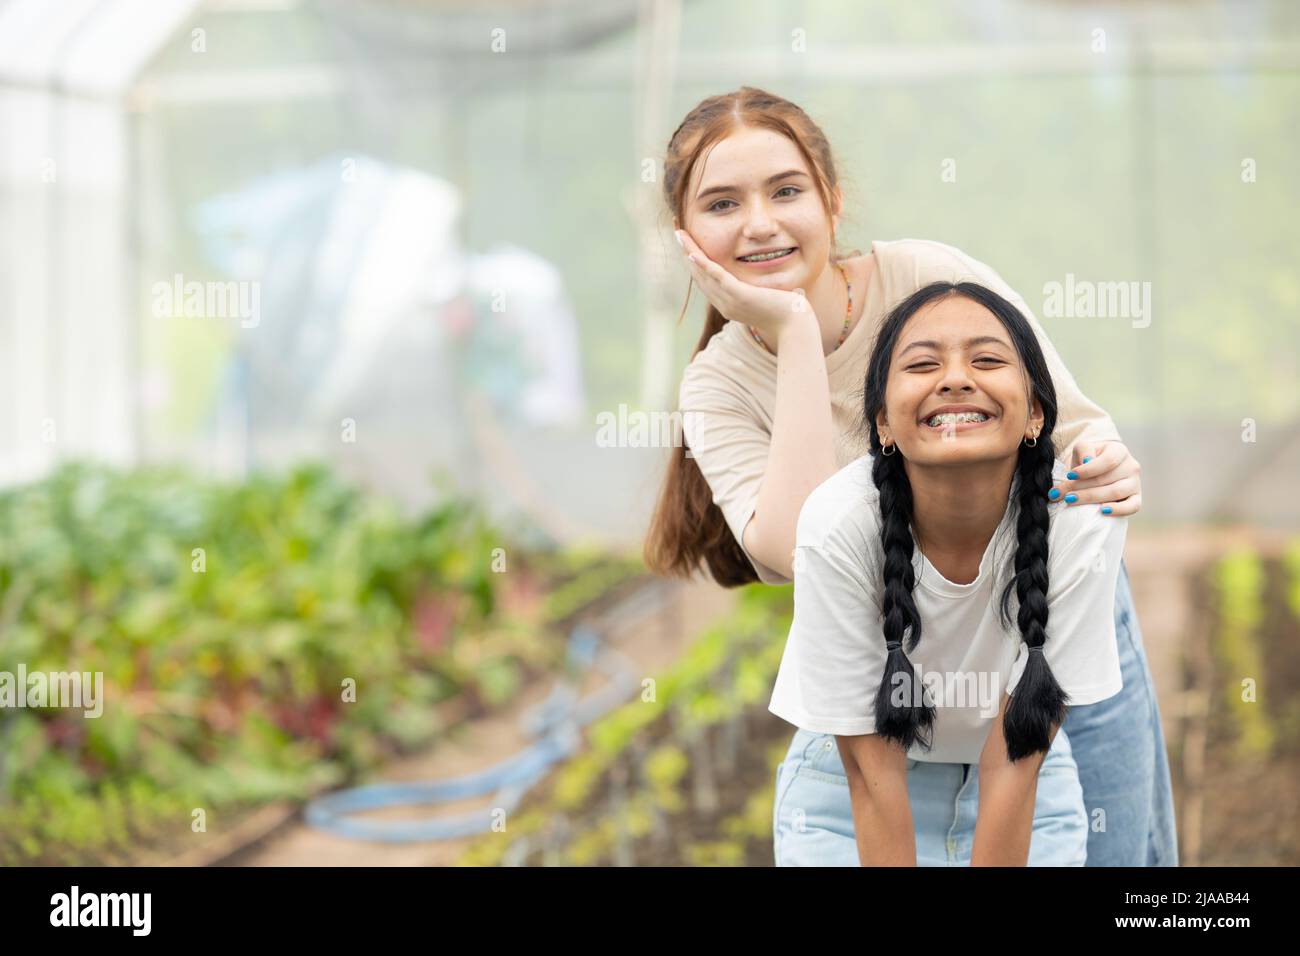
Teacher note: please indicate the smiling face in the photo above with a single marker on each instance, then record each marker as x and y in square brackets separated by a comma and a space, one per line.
[955, 354]
[753, 192]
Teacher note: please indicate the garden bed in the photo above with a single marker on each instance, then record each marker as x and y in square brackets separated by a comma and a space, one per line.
[1239, 775]
[228, 622]
[683, 779]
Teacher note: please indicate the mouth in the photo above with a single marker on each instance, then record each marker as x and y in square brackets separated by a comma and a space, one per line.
[958, 421]
[769, 257]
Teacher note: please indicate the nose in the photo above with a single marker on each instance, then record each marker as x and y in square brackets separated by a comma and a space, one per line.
[955, 377]
[759, 223]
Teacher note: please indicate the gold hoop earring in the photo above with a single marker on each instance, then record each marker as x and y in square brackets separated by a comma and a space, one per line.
[889, 454]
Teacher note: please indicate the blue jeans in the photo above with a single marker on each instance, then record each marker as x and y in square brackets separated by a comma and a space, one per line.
[1111, 766]
[812, 830]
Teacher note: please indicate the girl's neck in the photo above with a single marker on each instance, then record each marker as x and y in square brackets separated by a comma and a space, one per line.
[957, 508]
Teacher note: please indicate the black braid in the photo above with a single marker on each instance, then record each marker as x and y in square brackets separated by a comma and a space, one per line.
[1038, 701]
[911, 722]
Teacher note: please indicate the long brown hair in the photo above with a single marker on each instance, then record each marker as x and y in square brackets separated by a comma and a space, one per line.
[687, 527]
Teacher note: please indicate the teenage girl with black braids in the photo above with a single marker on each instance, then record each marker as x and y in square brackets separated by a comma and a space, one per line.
[770, 406]
[947, 716]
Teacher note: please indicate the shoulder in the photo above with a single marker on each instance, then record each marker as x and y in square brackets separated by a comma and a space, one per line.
[842, 512]
[1077, 534]
[913, 263]
[900, 253]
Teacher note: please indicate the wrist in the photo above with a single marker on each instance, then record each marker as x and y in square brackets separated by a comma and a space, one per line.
[799, 324]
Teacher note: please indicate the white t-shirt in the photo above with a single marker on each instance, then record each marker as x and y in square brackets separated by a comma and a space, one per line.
[835, 655]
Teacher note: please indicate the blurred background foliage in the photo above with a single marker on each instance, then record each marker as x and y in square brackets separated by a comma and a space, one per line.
[226, 669]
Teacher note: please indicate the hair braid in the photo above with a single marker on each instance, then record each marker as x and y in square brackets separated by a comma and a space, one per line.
[912, 721]
[1038, 700]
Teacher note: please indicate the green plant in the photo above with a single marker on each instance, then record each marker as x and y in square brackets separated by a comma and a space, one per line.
[726, 671]
[1239, 578]
[257, 641]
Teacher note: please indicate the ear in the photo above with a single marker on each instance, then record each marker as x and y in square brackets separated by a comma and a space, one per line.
[882, 426]
[1036, 417]
[839, 207]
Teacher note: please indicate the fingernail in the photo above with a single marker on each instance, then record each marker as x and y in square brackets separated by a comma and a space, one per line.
[1071, 475]
[1106, 510]
[1071, 499]
[1086, 460]
[1054, 494]
[692, 258]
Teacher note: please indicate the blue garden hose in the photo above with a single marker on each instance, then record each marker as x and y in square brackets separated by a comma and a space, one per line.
[555, 722]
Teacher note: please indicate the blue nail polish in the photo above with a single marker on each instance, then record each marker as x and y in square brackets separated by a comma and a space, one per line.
[1071, 498]
[1086, 460]
[1106, 510]
[1054, 494]
[1071, 475]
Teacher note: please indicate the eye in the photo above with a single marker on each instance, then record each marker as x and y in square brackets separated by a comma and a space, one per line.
[714, 207]
[796, 189]
[990, 358]
[920, 364]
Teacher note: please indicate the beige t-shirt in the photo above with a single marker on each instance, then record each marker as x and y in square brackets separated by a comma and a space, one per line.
[727, 397]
